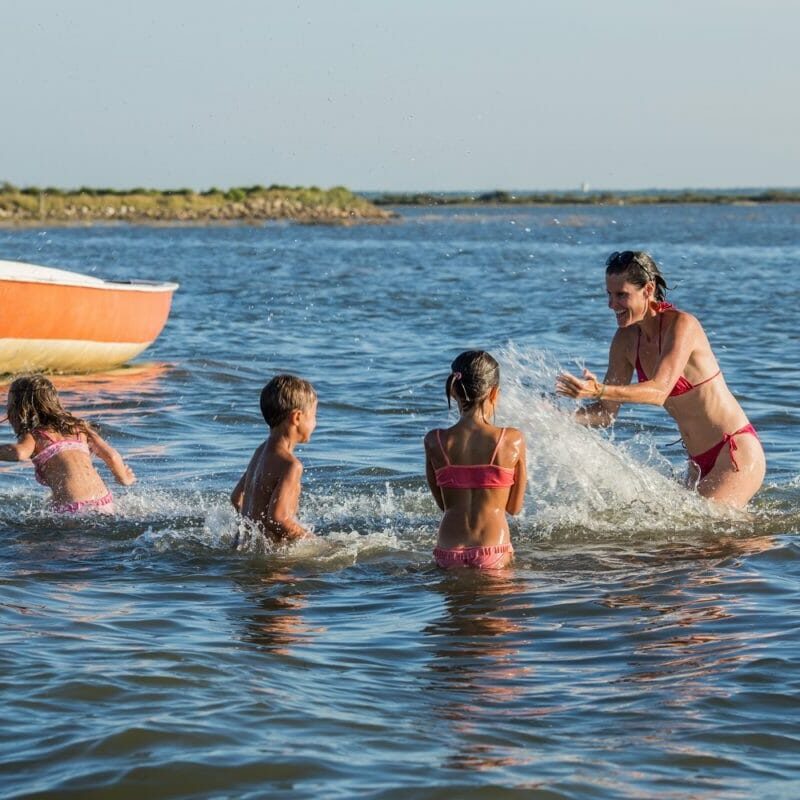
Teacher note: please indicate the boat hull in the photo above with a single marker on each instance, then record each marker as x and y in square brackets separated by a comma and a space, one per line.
[56, 320]
[64, 355]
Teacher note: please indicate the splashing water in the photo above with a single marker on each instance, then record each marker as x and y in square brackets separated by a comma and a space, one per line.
[584, 478]
[584, 484]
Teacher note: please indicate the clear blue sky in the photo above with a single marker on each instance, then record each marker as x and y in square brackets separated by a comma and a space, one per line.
[418, 94]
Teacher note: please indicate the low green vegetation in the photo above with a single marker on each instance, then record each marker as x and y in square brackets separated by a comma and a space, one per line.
[585, 198]
[34, 204]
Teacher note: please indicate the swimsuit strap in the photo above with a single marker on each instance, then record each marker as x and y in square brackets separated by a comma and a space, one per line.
[497, 447]
[43, 433]
[639, 334]
[661, 308]
[718, 372]
[441, 447]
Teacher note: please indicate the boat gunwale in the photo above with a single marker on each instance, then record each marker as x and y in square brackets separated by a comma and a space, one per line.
[55, 276]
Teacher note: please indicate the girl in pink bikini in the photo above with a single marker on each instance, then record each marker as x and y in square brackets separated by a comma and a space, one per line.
[475, 470]
[61, 447]
[675, 368]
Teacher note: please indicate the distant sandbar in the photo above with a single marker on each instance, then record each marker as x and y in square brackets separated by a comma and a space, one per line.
[34, 206]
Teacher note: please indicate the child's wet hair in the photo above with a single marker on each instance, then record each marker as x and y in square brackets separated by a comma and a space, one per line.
[284, 394]
[473, 374]
[33, 403]
[638, 268]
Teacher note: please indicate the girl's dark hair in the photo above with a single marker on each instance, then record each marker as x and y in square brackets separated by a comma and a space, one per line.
[638, 268]
[473, 374]
[33, 403]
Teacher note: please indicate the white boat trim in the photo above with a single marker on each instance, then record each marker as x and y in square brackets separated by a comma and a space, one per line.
[22, 272]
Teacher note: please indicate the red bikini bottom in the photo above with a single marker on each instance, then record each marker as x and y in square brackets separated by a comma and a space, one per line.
[705, 461]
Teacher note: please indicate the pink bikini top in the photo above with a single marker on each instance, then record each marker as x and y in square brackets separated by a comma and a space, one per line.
[682, 385]
[474, 476]
[56, 446]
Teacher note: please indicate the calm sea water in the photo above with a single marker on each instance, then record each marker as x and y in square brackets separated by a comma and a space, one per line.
[645, 644]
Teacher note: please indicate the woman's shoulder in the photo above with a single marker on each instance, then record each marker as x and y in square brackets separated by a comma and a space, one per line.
[625, 338]
[681, 322]
[623, 349]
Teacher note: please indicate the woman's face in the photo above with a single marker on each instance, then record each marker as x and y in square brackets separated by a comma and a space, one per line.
[628, 302]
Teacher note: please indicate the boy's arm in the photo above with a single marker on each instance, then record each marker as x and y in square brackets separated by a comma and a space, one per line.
[283, 504]
[21, 451]
[237, 495]
[112, 459]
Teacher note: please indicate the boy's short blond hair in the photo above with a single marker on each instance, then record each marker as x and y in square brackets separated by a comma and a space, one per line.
[284, 394]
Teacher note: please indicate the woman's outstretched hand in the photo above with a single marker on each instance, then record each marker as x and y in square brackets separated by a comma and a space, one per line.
[568, 385]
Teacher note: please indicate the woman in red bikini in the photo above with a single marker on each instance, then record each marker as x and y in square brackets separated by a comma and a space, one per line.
[675, 368]
[61, 447]
[475, 470]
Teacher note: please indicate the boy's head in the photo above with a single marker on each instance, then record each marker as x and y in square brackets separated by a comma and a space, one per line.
[283, 395]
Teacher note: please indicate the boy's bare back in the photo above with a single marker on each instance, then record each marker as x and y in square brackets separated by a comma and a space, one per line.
[269, 491]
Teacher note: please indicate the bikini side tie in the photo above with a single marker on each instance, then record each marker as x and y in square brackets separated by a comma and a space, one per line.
[731, 442]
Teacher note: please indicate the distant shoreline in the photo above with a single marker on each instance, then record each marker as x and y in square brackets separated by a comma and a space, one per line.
[588, 198]
[33, 207]
[254, 204]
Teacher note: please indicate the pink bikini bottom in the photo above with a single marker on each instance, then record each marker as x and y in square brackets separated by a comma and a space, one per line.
[494, 557]
[105, 505]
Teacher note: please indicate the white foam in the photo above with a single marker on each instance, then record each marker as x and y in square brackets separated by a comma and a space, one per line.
[583, 477]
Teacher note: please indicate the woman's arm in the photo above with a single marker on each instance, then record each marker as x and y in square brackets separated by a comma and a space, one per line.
[21, 451]
[678, 345]
[112, 459]
[516, 496]
[430, 472]
[603, 411]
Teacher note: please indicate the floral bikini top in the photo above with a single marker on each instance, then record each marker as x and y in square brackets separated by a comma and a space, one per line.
[56, 446]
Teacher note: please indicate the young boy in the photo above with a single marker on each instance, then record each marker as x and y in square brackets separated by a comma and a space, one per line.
[269, 491]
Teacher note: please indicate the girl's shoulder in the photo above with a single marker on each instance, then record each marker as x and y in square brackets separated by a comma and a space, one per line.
[512, 432]
[435, 436]
[513, 436]
[51, 435]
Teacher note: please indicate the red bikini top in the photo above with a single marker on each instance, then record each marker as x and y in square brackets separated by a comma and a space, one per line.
[682, 385]
[474, 476]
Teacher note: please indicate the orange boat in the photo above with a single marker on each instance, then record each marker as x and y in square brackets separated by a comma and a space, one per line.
[55, 320]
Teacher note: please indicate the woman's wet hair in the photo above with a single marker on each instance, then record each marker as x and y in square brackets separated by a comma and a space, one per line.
[33, 403]
[473, 374]
[638, 268]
